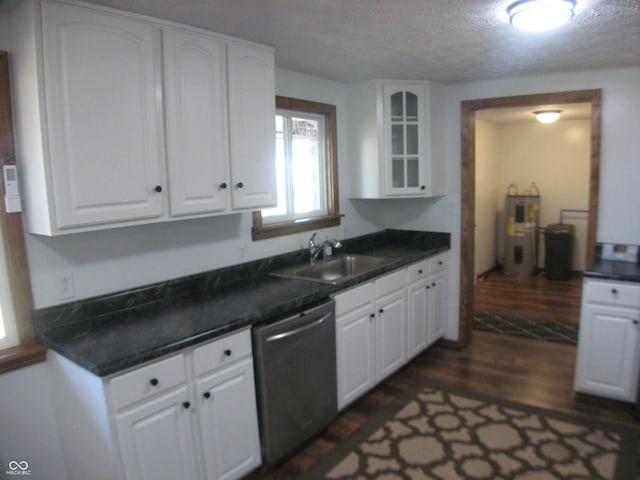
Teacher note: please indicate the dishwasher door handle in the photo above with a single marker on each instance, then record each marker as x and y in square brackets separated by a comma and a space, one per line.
[290, 333]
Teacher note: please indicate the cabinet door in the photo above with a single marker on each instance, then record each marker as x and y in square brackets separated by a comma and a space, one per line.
[608, 351]
[196, 122]
[418, 328]
[404, 124]
[156, 439]
[251, 126]
[438, 305]
[390, 333]
[355, 350]
[229, 421]
[104, 150]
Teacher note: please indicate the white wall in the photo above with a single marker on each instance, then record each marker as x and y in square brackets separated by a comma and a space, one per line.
[620, 168]
[557, 158]
[113, 260]
[488, 188]
[27, 426]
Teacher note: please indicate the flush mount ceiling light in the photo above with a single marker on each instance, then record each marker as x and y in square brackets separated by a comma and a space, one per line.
[540, 15]
[547, 116]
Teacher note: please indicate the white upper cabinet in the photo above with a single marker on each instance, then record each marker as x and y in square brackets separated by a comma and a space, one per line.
[252, 126]
[391, 141]
[104, 149]
[196, 122]
[124, 120]
[404, 140]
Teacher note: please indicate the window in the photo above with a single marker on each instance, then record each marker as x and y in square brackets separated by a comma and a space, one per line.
[8, 334]
[306, 170]
[17, 342]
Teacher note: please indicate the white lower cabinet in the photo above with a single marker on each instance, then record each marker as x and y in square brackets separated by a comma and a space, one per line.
[191, 415]
[355, 350]
[418, 325]
[608, 355]
[427, 303]
[370, 334]
[383, 323]
[438, 305]
[228, 426]
[156, 438]
[391, 352]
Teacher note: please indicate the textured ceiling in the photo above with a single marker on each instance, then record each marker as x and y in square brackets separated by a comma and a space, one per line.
[448, 41]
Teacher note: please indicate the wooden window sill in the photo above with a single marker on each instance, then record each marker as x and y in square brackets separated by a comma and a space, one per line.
[261, 232]
[21, 356]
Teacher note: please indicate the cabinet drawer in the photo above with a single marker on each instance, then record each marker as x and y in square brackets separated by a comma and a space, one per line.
[222, 351]
[417, 271]
[612, 293]
[391, 282]
[438, 263]
[353, 298]
[147, 381]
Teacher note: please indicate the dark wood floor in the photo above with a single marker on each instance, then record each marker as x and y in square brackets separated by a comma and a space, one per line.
[532, 372]
[533, 297]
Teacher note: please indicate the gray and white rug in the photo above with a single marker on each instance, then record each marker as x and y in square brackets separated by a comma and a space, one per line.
[436, 433]
[549, 330]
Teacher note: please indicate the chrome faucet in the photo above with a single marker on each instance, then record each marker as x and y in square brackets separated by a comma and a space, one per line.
[315, 249]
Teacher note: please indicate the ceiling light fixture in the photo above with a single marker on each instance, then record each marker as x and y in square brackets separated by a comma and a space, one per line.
[540, 15]
[547, 116]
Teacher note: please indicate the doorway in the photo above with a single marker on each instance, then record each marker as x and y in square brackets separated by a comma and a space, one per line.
[468, 171]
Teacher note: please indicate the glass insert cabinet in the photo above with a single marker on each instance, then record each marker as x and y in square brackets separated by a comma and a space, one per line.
[390, 141]
[404, 124]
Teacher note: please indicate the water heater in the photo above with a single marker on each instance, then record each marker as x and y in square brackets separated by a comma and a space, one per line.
[522, 214]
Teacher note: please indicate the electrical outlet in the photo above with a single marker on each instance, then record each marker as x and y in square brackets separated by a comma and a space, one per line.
[64, 286]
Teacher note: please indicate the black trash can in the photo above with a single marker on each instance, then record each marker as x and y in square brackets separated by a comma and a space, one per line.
[558, 241]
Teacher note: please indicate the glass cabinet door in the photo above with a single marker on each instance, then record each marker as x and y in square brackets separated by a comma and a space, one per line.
[403, 130]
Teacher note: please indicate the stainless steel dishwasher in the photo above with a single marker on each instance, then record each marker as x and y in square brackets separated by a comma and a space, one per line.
[295, 366]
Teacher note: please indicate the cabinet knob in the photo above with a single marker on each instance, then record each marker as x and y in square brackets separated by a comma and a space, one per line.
[186, 405]
[239, 185]
[440, 262]
[158, 188]
[419, 272]
[423, 187]
[381, 310]
[635, 322]
[154, 382]
[433, 284]
[206, 395]
[227, 352]
[223, 186]
[428, 287]
[614, 291]
[372, 315]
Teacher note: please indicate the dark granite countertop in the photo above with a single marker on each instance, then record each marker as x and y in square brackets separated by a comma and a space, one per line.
[114, 332]
[614, 270]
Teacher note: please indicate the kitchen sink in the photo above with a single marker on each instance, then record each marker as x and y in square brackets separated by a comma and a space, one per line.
[338, 269]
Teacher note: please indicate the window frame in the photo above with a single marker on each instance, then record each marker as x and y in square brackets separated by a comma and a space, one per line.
[262, 230]
[27, 351]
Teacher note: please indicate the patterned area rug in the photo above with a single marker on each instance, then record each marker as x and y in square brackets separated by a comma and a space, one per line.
[435, 433]
[549, 330]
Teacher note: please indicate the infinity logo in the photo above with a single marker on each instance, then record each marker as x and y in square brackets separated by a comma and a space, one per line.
[13, 465]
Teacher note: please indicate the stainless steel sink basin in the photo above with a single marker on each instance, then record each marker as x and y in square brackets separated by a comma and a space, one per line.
[336, 270]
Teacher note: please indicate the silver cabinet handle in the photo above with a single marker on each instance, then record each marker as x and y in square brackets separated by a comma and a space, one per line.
[295, 331]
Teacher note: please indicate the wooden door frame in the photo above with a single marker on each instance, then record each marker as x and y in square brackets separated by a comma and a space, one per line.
[467, 187]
